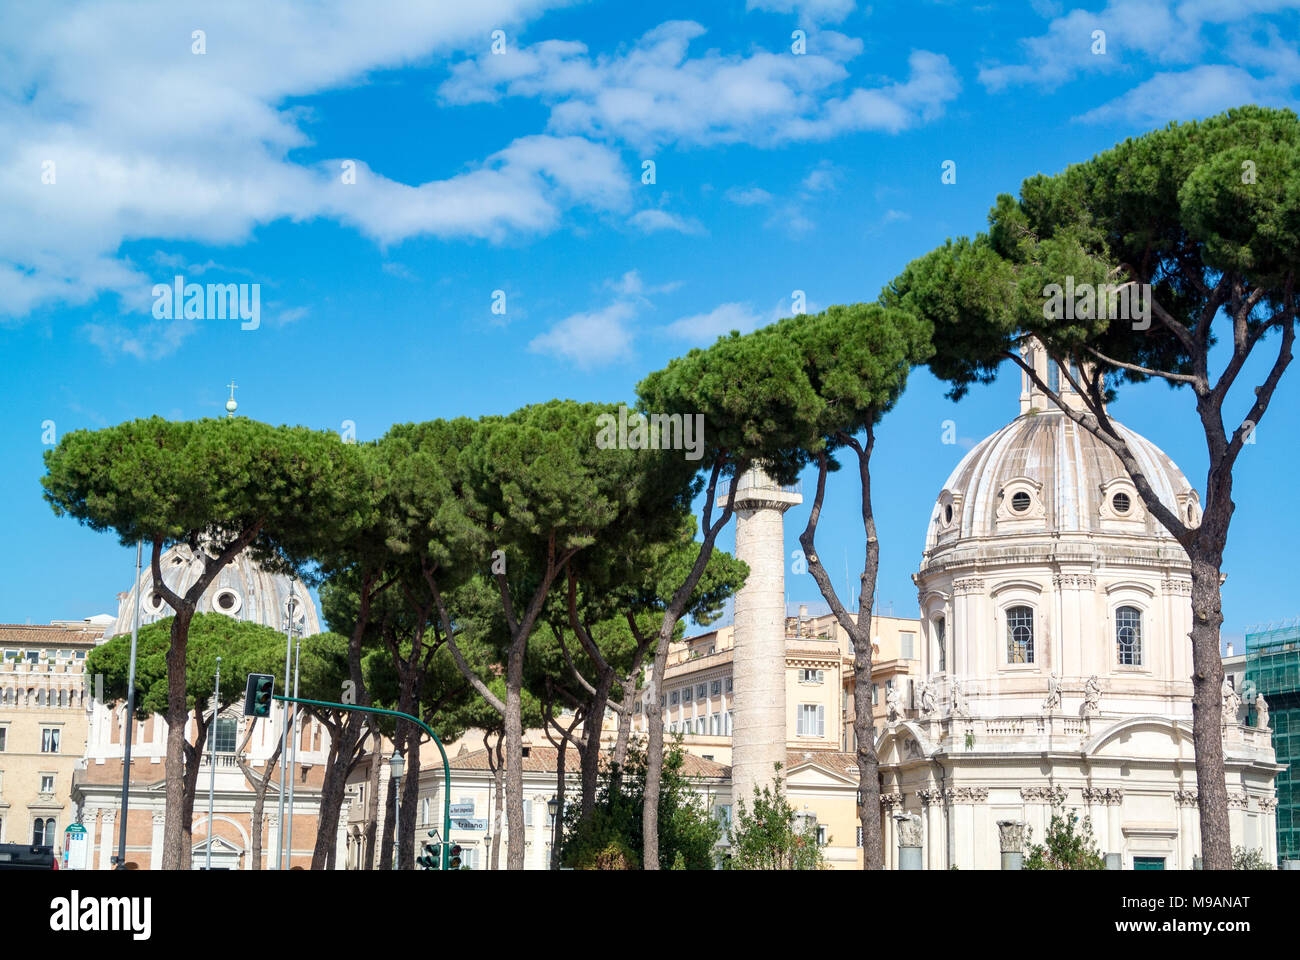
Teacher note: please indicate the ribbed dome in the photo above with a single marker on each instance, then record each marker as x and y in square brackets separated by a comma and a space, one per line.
[1044, 473]
[242, 590]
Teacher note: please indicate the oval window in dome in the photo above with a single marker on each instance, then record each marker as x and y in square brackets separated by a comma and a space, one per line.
[226, 601]
[1121, 503]
[947, 513]
[1020, 501]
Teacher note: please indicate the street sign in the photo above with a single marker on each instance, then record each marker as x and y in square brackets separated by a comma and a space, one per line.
[462, 810]
[76, 843]
[466, 823]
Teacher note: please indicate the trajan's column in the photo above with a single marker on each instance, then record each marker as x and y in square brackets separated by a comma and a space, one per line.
[758, 664]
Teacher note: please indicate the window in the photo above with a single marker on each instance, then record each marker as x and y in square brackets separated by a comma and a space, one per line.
[663, 701]
[1020, 635]
[47, 783]
[223, 733]
[699, 691]
[638, 708]
[875, 694]
[469, 858]
[821, 834]
[722, 813]
[528, 813]
[811, 720]
[1053, 377]
[674, 697]
[859, 836]
[3, 733]
[1020, 502]
[1121, 503]
[1128, 635]
[715, 724]
[715, 688]
[907, 645]
[728, 684]
[726, 724]
[79, 655]
[686, 694]
[812, 676]
[940, 626]
[33, 656]
[43, 832]
[50, 740]
[424, 810]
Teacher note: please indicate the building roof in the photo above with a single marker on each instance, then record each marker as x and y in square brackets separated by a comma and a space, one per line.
[544, 760]
[25, 634]
[838, 761]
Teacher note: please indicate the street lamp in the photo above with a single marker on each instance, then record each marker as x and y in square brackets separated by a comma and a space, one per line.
[396, 767]
[553, 808]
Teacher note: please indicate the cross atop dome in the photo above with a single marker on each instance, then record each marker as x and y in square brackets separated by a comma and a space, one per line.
[231, 405]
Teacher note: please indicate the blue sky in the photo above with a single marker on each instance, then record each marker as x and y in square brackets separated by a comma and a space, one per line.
[521, 172]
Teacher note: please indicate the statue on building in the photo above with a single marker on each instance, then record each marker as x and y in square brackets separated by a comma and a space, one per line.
[1053, 695]
[1231, 702]
[928, 703]
[1092, 696]
[1261, 712]
[957, 701]
[894, 703]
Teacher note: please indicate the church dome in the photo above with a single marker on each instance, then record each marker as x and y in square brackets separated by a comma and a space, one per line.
[1045, 473]
[242, 590]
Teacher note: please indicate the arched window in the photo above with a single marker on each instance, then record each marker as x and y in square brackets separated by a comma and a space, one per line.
[43, 832]
[1020, 635]
[1128, 636]
[1053, 376]
[941, 643]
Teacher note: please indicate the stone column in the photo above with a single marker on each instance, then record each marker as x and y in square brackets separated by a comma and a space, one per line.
[273, 841]
[156, 842]
[1268, 827]
[908, 827]
[341, 845]
[962, 801]
[1011, 842]
[107, 842]
[890, 804]
[758, 667]
[1185, 801]
[935, 836]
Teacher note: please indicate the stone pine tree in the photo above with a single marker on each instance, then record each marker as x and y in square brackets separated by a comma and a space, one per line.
[244, 648]
[526, 493]
[221, 487]
[856, 359]
[756, 406]
[355, 564]
[1181, 249]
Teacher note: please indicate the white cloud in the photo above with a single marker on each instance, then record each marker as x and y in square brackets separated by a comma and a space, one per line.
[748, 197]
[654, 93]
[590, 339]
[653, 221]
[1137, 32]
[632, 286]
[809, 11]
[704, 328]
[825, 176]
[149, 140]
[1182, 95]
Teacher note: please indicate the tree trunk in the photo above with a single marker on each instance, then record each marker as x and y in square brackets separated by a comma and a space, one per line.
[386, 845]
[372, 803]
[193, 754]
[259, 806]
[514, 734]
[177, 829]
[333, 788]
[498, 774]
[409, 814]
[674, 611]
[622, 739]
[1207, 716]
[590, 753]
[557, 825]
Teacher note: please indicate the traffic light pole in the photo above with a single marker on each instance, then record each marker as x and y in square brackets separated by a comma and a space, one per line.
[446, 766]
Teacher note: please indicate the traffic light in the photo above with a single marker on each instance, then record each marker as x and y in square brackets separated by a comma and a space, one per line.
[454, 862]
[257, 695]
[432, 859]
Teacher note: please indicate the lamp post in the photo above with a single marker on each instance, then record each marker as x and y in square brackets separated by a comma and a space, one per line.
[284, 722]
[212, 758]
[553, 808]
[130, 713]
[396, 767]
[293, 748]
